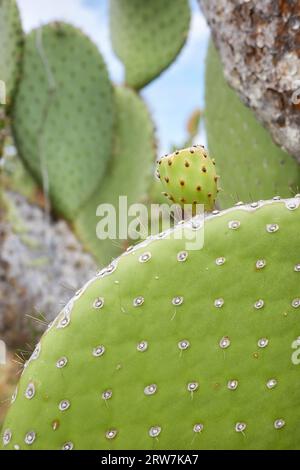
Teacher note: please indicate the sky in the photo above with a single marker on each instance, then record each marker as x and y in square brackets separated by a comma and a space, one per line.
[173, 96]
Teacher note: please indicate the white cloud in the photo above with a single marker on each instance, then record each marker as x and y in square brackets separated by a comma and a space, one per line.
[37, 12]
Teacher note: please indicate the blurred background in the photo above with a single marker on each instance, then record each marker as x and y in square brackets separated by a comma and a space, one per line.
[96, 92]
[49, 248]
[173, 96]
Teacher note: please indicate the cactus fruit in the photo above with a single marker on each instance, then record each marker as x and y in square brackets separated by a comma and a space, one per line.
[189, 177]
[174, 348]
[147, 36]
[11, 42]
[129, 174]
[258, 43]
[63, 119]
[251, 165]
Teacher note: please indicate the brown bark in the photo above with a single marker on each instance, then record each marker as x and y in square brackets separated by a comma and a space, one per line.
[259, 44]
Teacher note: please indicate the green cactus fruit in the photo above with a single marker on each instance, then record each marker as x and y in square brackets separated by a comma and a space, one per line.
[188, 176]
[11, 44]
[147, 36]
[251, 165]
[174, 347]
[156, 196]
[63, 115]
[129, 174]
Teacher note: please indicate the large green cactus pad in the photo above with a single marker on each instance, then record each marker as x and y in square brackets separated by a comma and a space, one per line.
[170, 348]
[11, 41]
[147, 36]
[129, 173]
[63, 116]
[251, 165]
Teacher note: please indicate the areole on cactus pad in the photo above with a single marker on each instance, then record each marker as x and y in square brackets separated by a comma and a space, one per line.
[170, 348]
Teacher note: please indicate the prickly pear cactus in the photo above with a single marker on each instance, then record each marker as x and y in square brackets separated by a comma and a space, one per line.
[189, 177]
[172, 347]
[129, 173]
[147, 36]
[63, 115]
[8, 379]
[251, 165]
[11, 46]
[11, 42]
[41, 261]
[193, 124]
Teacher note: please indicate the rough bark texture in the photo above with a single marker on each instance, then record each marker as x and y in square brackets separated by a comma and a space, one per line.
[259, 43]
[41, 266]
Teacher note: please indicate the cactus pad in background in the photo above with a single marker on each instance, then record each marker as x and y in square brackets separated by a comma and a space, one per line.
[258, 43]
[169, 348]
[128, 175]
[251, 165]
[147, 36]
[189, 177]
[11, 42]
[11, 45]
[16, 177]
[63, 115]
